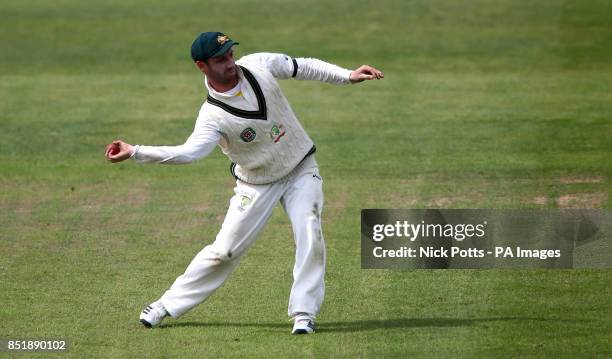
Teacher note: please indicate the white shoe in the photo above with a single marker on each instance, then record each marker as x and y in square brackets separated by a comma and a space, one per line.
[153, 314]
[303, 324]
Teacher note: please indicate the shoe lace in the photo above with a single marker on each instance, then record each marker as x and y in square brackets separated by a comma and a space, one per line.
[302, 317]
[160, 309]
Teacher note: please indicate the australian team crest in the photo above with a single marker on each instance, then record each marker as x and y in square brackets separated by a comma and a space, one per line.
[245, 201]
[222, 39]
[248, 134]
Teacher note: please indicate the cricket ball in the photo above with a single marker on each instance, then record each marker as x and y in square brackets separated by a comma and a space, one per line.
[112, 149]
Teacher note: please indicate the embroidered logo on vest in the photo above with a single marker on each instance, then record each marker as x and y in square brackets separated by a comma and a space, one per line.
[248, 134]
[276, 132]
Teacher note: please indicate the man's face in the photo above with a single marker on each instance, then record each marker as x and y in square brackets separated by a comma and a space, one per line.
[220, 69]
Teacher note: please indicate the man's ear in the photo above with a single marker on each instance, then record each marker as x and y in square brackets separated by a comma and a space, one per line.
[202, 66]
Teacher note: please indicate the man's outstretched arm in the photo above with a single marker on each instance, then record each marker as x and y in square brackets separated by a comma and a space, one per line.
[319, 70]
[284, 67]
[201, 142]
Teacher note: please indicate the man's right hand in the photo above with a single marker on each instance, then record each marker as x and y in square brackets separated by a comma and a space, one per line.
[125, 151]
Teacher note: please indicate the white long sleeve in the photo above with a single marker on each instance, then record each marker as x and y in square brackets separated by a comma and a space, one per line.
[201, 143]
[284, 67]
[314, 69]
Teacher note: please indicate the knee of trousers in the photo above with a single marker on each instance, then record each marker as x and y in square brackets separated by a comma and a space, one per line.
[311, 229]
[310, 222]
[217, 255]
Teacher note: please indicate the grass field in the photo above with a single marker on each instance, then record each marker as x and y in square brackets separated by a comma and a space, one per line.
[485, 104]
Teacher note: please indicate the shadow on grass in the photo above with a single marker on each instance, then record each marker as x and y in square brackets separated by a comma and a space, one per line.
[365, 325]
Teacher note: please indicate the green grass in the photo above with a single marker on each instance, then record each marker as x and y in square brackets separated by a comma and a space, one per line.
[485, 104]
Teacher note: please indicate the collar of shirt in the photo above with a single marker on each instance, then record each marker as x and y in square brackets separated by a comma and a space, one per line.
[228, 94]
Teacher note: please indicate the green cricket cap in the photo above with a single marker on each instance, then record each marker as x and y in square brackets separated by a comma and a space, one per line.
[210, 44]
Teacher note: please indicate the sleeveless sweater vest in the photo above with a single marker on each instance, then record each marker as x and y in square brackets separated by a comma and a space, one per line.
[266, 144]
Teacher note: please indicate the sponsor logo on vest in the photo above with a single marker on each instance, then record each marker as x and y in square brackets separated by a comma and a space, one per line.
[248, 134]
[276, 132]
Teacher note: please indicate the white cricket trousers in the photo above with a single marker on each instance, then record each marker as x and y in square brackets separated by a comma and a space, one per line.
[301, 194]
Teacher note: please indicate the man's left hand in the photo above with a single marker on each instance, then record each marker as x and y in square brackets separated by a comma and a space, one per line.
[365, 72]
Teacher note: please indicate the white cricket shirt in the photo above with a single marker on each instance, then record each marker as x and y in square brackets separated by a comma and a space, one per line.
[255, 161]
